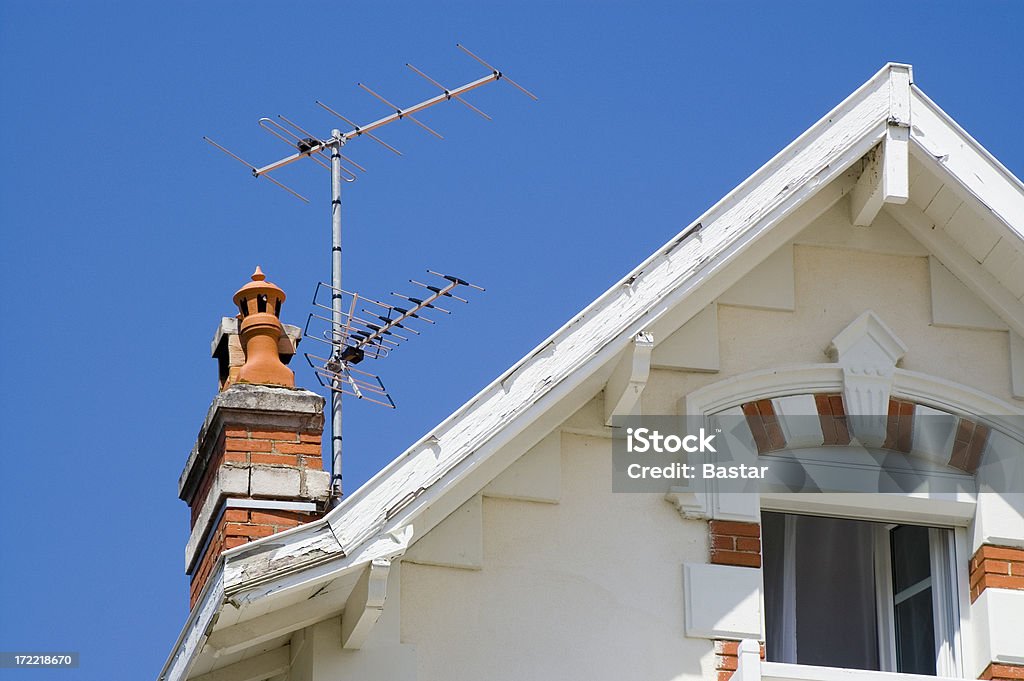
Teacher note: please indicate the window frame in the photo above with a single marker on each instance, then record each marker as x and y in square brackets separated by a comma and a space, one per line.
[949, 595]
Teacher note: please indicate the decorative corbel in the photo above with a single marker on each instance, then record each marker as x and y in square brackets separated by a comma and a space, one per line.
[867, 350]
[628, 380]
[365, 604]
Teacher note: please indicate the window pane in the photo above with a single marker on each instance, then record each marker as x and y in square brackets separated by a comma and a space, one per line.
[778, 646]
[829, 605]
[915, 635]
[912, 598]
[910, 558]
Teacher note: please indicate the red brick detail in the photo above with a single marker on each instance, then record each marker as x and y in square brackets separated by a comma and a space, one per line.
[996, 567]
[1003, 672]
[899, 428]
[240, 526]
[216, 459]
[764, 426]
[239, 445]
[727, 658]
[968, 444]
[734, 543]
[236, 444]
[832, 416]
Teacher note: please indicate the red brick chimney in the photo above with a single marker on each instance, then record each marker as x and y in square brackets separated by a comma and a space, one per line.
[256, 468]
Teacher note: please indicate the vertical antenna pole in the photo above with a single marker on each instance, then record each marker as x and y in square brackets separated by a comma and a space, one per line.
[336, 316]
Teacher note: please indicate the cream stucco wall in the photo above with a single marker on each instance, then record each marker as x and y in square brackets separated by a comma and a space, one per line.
[590, 587]
[833, 286]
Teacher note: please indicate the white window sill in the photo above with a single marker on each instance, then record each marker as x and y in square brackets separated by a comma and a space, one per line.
[779, 671]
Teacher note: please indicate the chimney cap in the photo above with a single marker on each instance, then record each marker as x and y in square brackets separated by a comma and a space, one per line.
[259, 285]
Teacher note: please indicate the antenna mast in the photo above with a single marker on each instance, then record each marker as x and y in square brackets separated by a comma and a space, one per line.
[357, 333]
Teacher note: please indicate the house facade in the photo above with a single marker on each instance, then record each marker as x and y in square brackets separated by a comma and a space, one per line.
[849, 321]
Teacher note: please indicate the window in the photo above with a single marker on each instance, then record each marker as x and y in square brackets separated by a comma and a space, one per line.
[859, 595]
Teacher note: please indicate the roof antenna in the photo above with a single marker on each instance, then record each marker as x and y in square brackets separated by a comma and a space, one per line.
[358, 327]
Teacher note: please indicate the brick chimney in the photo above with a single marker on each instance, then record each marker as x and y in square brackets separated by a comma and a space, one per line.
[256, 468]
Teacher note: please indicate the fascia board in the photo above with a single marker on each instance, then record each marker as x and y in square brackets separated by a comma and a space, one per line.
[593, 336]
[194, 634]
[963, 159]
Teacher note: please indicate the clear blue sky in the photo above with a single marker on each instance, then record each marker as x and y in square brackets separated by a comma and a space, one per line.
[124, 235]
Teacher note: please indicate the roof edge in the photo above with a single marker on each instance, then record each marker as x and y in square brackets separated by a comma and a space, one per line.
[882, 76]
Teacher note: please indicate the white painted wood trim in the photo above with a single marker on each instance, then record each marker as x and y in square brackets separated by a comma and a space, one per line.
[193, 636]
[365, 604]
[884, 609]
[954, 305]
[939, 510]
[960, 263]
[885, 177]
[780, 671]
[258, 668]
[967, 162]
[761, 384]
[237, 637]
[1016, 365]
[945, 601]
[721, 601]
[748, 663]
[622, 394]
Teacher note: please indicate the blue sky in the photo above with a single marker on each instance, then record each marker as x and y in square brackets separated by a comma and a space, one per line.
[124, 235]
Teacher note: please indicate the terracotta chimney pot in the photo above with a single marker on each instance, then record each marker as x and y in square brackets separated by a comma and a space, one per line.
[259, 304]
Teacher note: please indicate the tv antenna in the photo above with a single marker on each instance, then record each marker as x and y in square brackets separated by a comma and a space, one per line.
[361, 327]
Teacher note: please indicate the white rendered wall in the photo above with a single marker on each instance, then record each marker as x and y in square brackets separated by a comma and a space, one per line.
[833, 286]
[589, 588]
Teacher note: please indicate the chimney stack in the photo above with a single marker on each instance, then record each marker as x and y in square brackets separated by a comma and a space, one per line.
[256, 468]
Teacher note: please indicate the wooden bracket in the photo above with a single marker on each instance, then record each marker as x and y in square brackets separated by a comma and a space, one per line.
[365, 604]
[885, 177]
[628, 380]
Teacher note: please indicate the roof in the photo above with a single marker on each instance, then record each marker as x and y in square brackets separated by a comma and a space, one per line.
[442, 470]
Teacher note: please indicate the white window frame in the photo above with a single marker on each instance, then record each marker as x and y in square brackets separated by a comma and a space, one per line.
[950, 595]
[944, 584]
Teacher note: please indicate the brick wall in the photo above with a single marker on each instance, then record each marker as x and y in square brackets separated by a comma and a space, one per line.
[999, 567]
[764, 426]
[1003, 672]
[239, 526]
[282, 450]
[239, 445]
[734, 543]
[256, 470]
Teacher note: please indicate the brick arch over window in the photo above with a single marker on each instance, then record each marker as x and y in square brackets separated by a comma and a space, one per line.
[963, 451]
[826, 383]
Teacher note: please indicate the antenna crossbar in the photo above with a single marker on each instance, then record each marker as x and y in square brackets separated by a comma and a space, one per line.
[379, 123]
